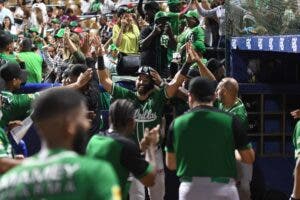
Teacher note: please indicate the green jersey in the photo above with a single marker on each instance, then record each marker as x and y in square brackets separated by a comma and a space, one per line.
[60, 174]
[238, 109]
[148, 113]
[5, 146]
[174, 20]
[204, 140]
[16, 106]
[8, 57]
[122, 153]
[296, 140]
[33, 65]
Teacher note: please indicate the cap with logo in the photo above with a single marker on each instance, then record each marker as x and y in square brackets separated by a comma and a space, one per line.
[144, 70]
[112, 47]
[34, 30]
[73, 23]
[60, 33]
[55, 21]
[12, 70]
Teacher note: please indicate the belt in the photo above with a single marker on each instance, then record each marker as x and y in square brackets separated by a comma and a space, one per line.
[224, 180]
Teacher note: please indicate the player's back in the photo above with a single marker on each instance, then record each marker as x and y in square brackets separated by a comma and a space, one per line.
[60, 174]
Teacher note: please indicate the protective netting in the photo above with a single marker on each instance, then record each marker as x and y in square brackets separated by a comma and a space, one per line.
[262, 17]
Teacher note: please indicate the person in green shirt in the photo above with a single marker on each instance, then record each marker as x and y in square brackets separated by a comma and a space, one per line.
[6, 47]
[201, 146]
[33, 61]
[116, 147]
[228, 101]
[57, 171]
[296, 143]
[149, 101]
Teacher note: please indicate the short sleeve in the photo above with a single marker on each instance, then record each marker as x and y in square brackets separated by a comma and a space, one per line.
[240, 134]
[120, 92]
[296, 139]
[104, 183]
[170, 139]
[132, 160]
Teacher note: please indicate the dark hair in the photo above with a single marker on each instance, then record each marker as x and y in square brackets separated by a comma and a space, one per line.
[27, 45]
[10, 24]
[202, 89]
[77, 69]
[54, 102]
[120, 111]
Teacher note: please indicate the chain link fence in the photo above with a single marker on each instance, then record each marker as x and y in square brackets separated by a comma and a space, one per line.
[262, 17]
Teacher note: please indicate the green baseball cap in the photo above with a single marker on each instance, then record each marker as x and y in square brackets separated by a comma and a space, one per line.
[112, 47]
[73, 24]
[192, 13]
[34, 29]
[199, 46]
[55, 21]
[160, 15]
[173, 2]
[60, 33]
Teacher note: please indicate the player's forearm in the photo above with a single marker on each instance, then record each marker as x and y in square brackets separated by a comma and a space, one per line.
[104, 79]
[8, 163]
[204, 71]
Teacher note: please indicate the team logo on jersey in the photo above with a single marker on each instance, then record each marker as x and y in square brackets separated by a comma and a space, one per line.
[146, 116]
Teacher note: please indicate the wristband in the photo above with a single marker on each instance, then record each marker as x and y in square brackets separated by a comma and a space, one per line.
[100, 63]
[185, 69]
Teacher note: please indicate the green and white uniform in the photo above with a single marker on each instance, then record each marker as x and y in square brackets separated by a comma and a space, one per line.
[148, 114]
[16, 107]
[60, 174]
[296, 140]
[244, 171]
[122, 153]
[5, 146]
[203, 141]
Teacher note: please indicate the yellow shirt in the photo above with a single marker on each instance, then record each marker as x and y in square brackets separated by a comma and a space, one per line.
[129, 44]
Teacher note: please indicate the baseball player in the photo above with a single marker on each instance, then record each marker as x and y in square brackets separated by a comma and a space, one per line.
[57, 171]
[227, 91]
[115, 146]
[200, 147]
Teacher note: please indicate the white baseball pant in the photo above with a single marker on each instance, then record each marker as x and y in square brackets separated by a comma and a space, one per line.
[244, 177]
[202, 188]
[156, 192]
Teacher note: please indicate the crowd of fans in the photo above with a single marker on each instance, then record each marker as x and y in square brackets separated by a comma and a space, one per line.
[151, 54]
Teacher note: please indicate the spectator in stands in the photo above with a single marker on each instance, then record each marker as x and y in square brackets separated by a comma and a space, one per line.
[105, 30]
[193, 33]
[95, 7]
[111, 59]
[72, 53]
[69, 16]
[33, 61]
[155, 41]
[5, 12]
[6, 46]
[108, 6]
[125, 33]
[8, 26]
[219, 12]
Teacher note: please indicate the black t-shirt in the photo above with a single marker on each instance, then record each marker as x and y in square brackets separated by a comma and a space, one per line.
[154, 55]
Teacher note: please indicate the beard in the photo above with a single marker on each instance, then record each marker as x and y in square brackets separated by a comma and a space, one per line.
[80, 141]
[145, 88]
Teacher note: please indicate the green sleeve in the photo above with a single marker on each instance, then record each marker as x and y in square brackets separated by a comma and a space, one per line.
[3, 144]
[121, 93]
[104, 184]
[296, 139]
